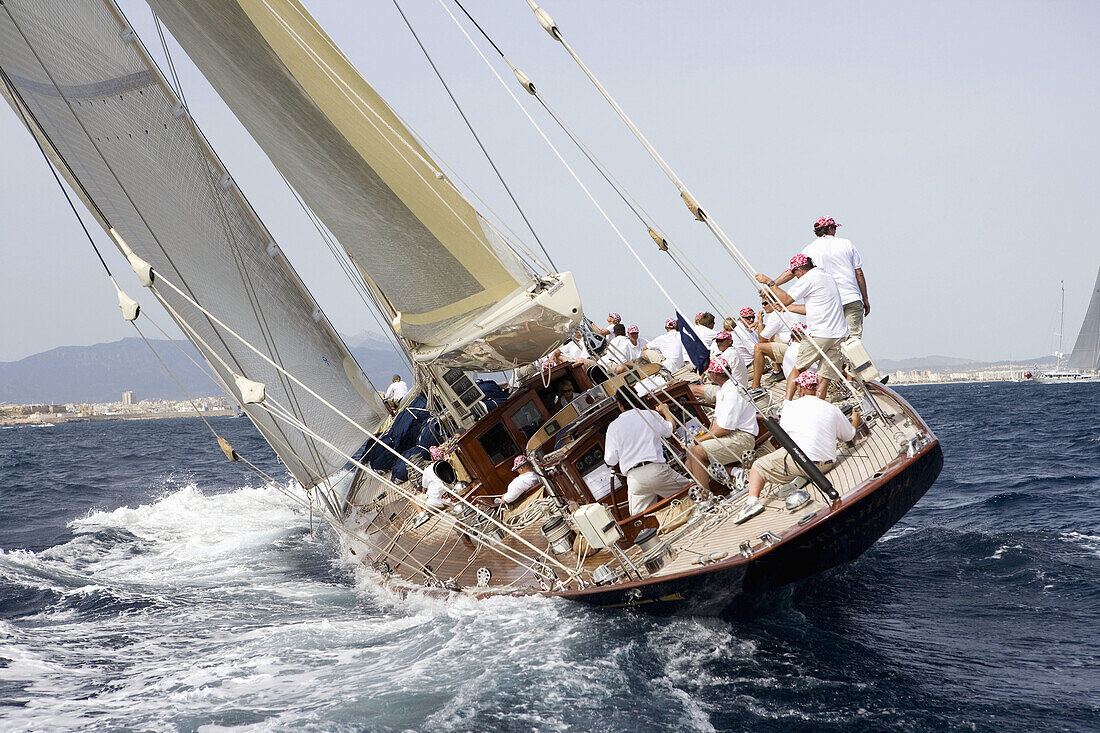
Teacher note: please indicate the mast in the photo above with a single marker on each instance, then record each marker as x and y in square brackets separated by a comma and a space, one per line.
[1061, 324]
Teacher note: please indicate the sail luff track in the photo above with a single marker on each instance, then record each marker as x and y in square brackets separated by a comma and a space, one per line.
[126, 144]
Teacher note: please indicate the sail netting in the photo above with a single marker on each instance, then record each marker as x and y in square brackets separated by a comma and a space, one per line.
[119, 135]
[349, 156]
[1086, 350]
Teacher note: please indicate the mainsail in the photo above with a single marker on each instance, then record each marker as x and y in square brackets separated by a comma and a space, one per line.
[126, 144]
[1086, 350]
[406, 228]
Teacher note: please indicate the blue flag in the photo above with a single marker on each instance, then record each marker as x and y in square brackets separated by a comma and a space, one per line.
[694, 347]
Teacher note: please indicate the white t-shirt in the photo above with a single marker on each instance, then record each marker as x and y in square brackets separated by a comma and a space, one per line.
[706, 335]
[738, 369]
[815, 425]
[840, 259]
[733, 412]
[791, 357]
[434, 486]
[744, 341]
[573, 351]
[634, 351]
[618, 350]
[824, 311]
[397, 391]
[774, 328]
[634, 437]
[672, 348]
[520, 484]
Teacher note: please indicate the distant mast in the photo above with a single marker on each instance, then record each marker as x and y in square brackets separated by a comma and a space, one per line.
[1061, 325]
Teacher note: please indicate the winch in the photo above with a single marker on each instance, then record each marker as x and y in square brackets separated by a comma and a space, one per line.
[654, 552]
[559, 535]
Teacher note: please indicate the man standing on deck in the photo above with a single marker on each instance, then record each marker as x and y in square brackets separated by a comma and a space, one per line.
[815, 426]
[733, 430]
[836, 256]
[634, 445]
[825, 314]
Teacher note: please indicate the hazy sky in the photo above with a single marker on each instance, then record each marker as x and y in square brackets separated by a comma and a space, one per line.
[957, 143]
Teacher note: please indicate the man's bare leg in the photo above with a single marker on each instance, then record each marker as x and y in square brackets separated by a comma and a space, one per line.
[791, 386]
[697, 465]
[822, 387]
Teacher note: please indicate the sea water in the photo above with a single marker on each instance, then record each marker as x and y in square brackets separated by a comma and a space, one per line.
[148, 584]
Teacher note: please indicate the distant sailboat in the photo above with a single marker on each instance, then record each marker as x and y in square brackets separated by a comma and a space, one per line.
[1084, 361]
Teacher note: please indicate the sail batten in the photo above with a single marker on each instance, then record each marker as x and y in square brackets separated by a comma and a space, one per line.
[115, 130]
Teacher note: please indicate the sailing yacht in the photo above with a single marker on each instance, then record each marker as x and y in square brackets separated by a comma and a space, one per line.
[460, 295]
[1084, 360]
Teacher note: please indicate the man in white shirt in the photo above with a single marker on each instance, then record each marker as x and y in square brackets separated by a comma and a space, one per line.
[836, 256]
[525, 480]
[432, 483]
[670, 346]
[735, 367]
[732, 431]
[396, 391]
[617, 349]
[774, 339]
[572, 350]
[634, 443]
[704, 329]
[637, 345]
[825, 314]
[744, 335]
[815, 426]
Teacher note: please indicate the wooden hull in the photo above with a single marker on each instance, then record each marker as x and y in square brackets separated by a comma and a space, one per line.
[742, 585]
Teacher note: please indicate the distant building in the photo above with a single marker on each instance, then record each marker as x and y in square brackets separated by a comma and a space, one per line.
[128, 398]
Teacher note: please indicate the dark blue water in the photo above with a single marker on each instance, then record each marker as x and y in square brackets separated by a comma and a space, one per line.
[146, 583]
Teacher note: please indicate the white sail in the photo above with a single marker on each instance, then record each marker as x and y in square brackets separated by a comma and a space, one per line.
[407, 229]
[1086, 350]
[116, 131]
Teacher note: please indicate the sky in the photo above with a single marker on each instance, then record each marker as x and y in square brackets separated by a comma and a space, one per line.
[955, 142]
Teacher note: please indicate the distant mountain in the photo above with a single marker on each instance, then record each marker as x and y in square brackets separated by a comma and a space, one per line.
[951, 363]
[101, 373]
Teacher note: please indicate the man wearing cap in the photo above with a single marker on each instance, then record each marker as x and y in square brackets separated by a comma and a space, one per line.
[815, 426]
[432, 483]
[732, 431]
[634, 445]
[670, 346]
[745, 338]
[613, 319]
[838, 257]
[525, 480]
[825, 314]
[735, 368]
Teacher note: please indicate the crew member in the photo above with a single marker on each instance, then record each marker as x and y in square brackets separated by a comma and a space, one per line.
[670, 345]
[708, 392]
[704, 329]
[395, 392]
[435, 487]
[732, 431]
[825, 314]
[613, 319]
[744, 336]
[572, 350]
[525, 479]
[815, 426]
[836, 256]
[634, 444]
[566, 394]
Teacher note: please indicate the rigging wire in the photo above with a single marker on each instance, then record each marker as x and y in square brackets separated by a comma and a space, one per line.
[473, 132]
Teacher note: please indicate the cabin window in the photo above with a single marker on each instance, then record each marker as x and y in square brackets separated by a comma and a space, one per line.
[498, 444]
[527, 419]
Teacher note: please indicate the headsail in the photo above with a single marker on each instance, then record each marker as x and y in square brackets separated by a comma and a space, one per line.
[127, 146]
[406, 228]
[1086, 350]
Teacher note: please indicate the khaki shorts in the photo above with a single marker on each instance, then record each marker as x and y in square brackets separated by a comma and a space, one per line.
[853, 314]
[808, 356]
[648, 484]
[779, 350]
[710, 392]
[729, 448]
[779, 468]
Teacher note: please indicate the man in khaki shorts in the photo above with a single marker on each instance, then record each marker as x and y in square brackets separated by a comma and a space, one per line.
[815, 426]
[733, 430]
[825, 313]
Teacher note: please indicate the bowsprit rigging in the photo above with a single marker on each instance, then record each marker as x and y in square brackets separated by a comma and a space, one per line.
[459, 296]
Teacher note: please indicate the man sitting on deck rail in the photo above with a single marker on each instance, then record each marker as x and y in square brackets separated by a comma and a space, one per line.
[395, 392]
[733, 430]
[633, 445]
[825, 314]
[815, 426]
